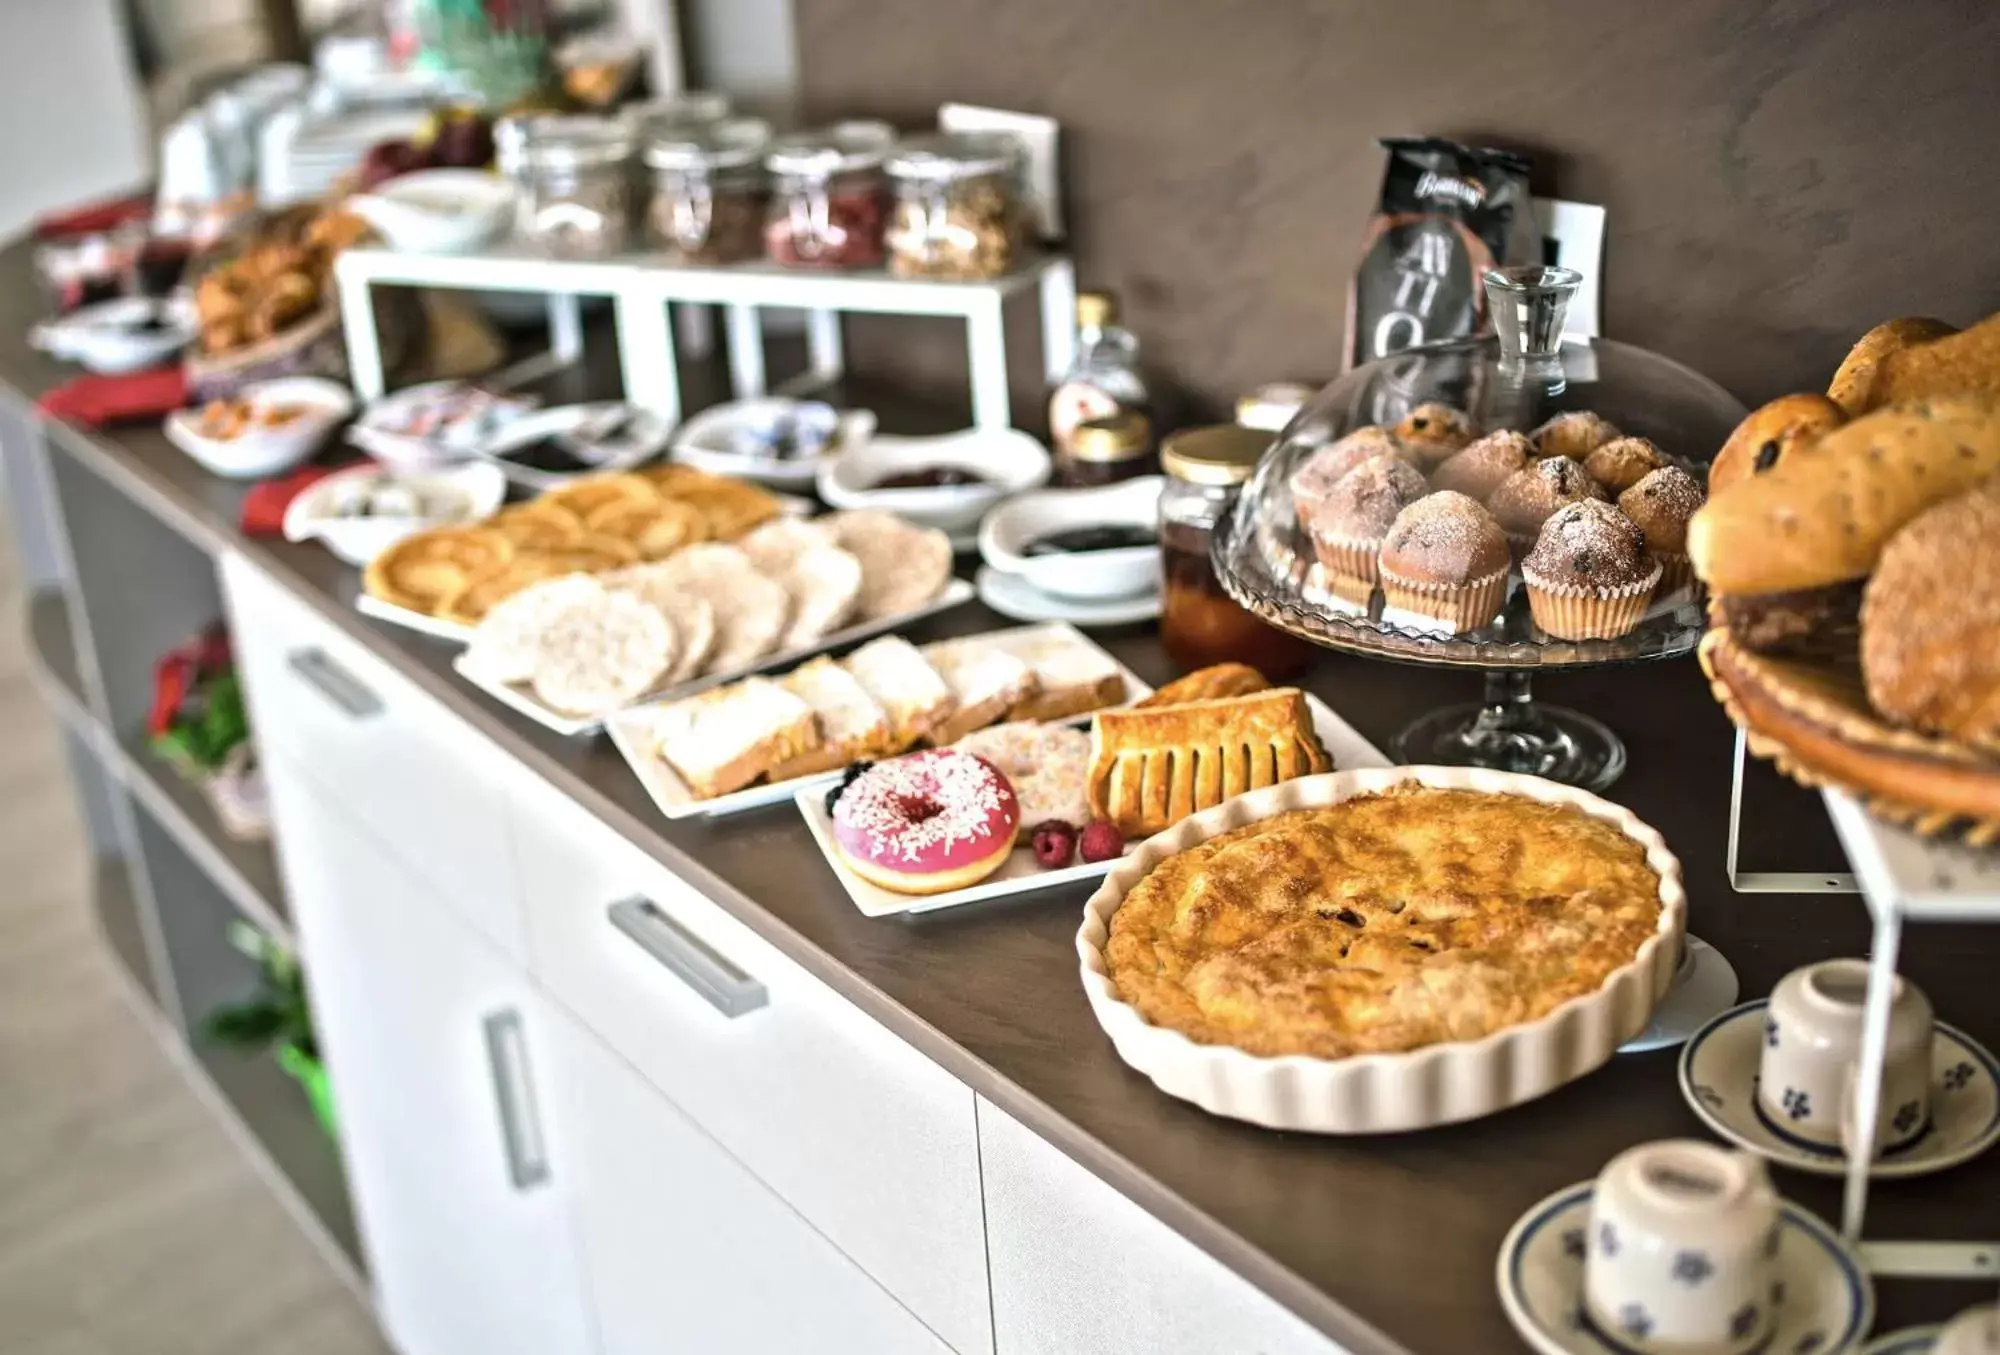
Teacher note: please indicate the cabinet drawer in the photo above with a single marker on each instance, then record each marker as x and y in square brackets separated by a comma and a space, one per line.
[875, 1145]
[422, 784]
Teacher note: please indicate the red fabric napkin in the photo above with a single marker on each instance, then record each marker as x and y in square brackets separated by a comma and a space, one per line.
[91, 217]
[94, 401]
[264, 506]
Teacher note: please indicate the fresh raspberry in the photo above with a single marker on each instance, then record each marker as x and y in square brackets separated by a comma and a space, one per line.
[1101, 841]
[1054, 842]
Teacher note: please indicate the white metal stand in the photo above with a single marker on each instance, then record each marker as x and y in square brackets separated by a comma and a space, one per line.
[1902, 876]
[642, 290]
[1771, 881]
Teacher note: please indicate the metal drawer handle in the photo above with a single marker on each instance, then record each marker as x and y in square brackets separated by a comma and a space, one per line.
[690, 959]
[335, 683]
[514, 1094]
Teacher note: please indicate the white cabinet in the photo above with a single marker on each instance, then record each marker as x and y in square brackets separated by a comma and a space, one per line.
[689, 1253]
[434, 1044]
[869, 1140]
[1078, 1267]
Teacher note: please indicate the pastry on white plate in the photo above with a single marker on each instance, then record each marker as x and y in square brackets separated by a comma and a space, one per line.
[724, 739]
[905, 685]
[985, 680]
[853, 727]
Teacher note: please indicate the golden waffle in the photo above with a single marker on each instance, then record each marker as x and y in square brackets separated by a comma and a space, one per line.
[590, 554]
[470, 604]
[730, 507]
[669, 479]
[538, 525]
[421, 572]
[656, 530]
[586, 496]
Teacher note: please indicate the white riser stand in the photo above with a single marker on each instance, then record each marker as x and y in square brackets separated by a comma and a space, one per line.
[641, 289]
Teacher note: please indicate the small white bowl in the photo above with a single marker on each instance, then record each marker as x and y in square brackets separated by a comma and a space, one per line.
[106, 338]
[1010, 461]
[1094, 575]
[386, 430]
[260, 452]
[640, 439]
[714, 440]
[438, 211]
[479, 488]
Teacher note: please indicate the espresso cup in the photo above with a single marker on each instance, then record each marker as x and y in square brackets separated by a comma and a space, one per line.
[1812, 1055]
[1681, 1250]
[1975, 1331]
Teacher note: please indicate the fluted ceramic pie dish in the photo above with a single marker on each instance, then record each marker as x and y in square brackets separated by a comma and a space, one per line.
[1414, 1089]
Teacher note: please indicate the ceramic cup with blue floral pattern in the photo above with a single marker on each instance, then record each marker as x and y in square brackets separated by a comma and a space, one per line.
[1973, 1332]
[1682, 1250]
[1812, 1049]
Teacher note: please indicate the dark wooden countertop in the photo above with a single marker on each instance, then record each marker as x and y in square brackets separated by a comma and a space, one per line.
[1386, 1243]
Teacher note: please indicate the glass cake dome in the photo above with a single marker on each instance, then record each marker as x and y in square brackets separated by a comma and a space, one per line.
[1520, 377]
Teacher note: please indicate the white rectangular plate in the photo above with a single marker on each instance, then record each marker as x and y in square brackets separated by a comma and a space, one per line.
[1019, 874]
[955, 592]
[676, 801]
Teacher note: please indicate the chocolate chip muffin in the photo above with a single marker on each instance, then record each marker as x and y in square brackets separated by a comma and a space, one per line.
[1432, 432]
[1623, 462]
[1574, 433]
[1485, 464]
[1444, 562]
[1589, 576]
[1348, 527]
[1527, 498]
[1660, 506]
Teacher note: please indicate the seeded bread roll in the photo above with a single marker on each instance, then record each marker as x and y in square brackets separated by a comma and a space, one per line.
[1823, 519]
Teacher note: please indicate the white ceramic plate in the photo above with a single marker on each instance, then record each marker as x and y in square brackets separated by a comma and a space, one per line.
[636, 443]
[956, 592]
[1013, 596]
[1020, 874]
[259, 452]
[1718, 1076]
[1824, 1307]
[708, 442]
[1386, 1093]
[481, 489]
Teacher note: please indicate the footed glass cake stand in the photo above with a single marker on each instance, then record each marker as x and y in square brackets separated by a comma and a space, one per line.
[1524, 374]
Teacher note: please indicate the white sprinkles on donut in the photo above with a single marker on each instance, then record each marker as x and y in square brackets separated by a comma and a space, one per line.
[966, 791]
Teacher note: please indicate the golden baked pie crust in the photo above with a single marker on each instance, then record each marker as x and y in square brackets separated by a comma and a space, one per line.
[1383, 923]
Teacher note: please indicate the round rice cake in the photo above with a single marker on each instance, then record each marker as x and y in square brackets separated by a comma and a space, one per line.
[825, 585]
[690, 614]
[537, 525]
[656, 530]
[424, 570]
[731, 507]
[903, 566]
[590, 493]
[507, 642]
[598, 656]
[751, 609]
[773, 546]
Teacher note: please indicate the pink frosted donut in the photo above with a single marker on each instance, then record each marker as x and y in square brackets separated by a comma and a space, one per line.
[927, 822]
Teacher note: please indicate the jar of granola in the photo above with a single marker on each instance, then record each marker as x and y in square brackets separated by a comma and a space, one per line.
[960, 210]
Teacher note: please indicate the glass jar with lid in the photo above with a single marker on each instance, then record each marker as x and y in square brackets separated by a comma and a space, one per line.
[960, 210]
[707, 200]
[828, 206]
[675, 112]
[573, 173]
[1200, 624]
[1103, 451]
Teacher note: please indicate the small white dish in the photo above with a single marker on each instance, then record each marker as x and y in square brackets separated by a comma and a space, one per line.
[523, 699]
[636, 436]
[1008, 460]
[108, 338]
[1718, 1076]
[258, 452]
[1020, 874]
[438, 211]
[1013, 596]
[1095, 576]
[1908, 1341]
[434, 424]
[1823, 1296]
[724, 439]
[1704, 984]
[474, 492]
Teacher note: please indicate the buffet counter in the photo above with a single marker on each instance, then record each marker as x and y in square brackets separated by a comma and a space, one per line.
[1383, 1244]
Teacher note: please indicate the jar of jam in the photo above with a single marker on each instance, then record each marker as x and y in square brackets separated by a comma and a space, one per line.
[1104, 451]
[829, 197]
[707, 204]
[1200, 624]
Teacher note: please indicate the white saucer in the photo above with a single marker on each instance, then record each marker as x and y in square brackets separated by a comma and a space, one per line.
[1718, 1077]
[1011, 595]
[1825, 1301]
[1704, 984]
[1908, 1341]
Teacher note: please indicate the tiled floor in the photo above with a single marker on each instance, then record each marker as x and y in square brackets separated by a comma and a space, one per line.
[129, 1222]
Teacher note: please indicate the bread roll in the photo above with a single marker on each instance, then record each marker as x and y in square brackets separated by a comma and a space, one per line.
[1853, 386]
[1824, 518]
[1966, 363]
[1770, 434]
[1930, 621]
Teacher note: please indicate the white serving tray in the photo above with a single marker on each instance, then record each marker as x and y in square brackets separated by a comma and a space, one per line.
[676, 801]
[1020, 874]
[956, 592]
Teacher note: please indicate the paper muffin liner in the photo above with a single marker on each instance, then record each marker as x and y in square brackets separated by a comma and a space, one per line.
[1462, 606]
[1676, 573]
[1571, 612]
[1349, 563]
